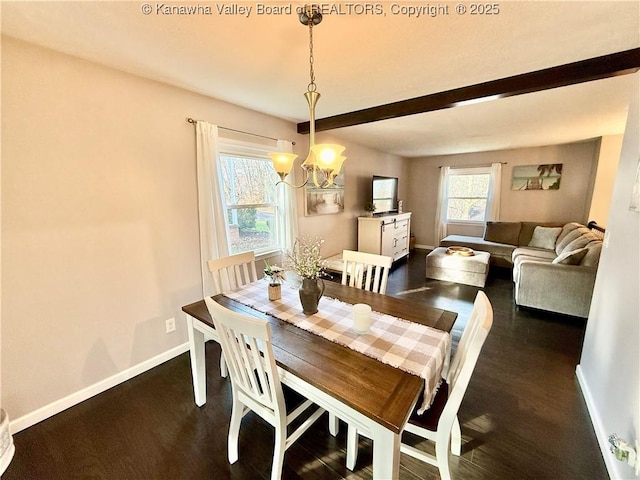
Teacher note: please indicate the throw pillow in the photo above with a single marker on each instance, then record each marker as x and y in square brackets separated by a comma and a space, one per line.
[571, 258]
[502, 232]
[545, 237]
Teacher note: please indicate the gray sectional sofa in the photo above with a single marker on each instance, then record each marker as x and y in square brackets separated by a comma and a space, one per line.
[554, 266]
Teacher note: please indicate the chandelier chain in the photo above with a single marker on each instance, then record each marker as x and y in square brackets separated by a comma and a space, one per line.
[312, 76]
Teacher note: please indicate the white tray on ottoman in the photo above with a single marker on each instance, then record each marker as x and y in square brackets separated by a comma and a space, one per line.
[457, 267]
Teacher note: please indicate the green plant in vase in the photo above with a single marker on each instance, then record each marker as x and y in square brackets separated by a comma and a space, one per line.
[370, 207]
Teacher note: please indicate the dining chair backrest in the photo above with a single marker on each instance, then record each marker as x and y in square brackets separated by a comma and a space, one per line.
[234, 271]
[365, 270]
[466, 356]
[255, 382]
[246, 345]
[229, 273]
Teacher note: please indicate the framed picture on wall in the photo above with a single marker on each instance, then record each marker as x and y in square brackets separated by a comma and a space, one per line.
[324, 201]
[537, 177]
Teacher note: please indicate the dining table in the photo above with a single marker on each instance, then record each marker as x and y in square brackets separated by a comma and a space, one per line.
[373, 396]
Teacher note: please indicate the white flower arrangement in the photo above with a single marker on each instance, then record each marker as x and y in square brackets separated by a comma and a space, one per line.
[276, 274]
[305, 259]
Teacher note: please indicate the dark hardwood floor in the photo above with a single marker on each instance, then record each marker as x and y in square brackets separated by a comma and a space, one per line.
[523, 416]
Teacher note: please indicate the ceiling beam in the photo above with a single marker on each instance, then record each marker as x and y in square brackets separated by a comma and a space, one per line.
[598, 68]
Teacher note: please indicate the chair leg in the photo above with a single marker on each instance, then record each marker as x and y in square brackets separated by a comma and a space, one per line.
[352, 446]
[223, 367]
[442, 454]
[237, 412]
[278, 451]
[456, 437]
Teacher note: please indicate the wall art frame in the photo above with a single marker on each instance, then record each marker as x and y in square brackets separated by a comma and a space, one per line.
[537, 177]
[324, 201]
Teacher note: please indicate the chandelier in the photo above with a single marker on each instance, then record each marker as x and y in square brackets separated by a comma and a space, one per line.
[324, 160]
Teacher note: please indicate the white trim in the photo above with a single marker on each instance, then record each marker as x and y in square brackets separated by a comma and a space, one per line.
[596, 421]
[62, 404]
[425, 247]
[468, 223]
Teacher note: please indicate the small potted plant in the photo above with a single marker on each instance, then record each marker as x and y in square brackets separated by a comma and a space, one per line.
[370, 207]
[276, 276]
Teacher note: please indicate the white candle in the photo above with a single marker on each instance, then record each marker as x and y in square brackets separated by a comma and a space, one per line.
[361, 317]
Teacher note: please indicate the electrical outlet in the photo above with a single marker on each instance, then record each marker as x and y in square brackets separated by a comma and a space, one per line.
[170, 325]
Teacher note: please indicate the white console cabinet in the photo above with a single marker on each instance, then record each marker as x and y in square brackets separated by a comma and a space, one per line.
[385, 235]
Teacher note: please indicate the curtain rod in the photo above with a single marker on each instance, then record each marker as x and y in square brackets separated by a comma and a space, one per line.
[470, 166]
[191, 120]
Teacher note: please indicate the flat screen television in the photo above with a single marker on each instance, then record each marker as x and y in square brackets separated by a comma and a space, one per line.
[385, 194]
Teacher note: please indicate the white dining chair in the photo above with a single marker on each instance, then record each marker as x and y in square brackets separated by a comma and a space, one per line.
[255, 381]
[365, 270]
[439, 424]
[234, 271]
[229, 273]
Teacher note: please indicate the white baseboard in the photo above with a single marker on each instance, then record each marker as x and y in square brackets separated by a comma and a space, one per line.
[601, 434]
[58, 406]
[425, 247]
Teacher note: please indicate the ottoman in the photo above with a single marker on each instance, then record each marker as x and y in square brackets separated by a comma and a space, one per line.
[471, 270]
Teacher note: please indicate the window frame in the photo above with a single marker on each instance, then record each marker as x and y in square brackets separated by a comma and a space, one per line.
[236, 148]
[454, 171]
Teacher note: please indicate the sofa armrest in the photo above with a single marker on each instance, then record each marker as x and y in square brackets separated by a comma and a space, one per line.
[564, 289]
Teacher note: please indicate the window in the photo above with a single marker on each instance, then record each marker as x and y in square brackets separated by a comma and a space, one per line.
[250, 199]
[467, 194]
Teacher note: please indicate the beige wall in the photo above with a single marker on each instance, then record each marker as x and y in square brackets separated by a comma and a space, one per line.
[99, 218]
[608, 160]
[570, 203]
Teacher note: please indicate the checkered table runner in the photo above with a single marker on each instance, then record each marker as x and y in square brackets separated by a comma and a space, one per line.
[409, 346]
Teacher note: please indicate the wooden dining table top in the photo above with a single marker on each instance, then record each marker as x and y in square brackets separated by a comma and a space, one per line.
[383, 393]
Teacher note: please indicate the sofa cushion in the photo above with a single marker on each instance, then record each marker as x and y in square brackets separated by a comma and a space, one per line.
[545, 237]
[533, 253]
[570, 232]
[580, 242]
[592, 257]
[566, 230]
[502, 232]
[573, 257]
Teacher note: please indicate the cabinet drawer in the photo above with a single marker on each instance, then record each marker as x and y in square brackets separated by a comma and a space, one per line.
[399, 253]
[398, 229]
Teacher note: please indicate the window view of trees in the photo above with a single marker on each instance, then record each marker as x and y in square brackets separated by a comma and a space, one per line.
[250, 197]
[467, 196]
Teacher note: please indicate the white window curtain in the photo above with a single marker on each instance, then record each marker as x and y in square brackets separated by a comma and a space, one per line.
[213, 234]
[288, 200]
[495, 189]
[441, 216]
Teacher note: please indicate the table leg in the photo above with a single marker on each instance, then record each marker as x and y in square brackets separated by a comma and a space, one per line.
[198, 365]
[386, 454]
[333, 424]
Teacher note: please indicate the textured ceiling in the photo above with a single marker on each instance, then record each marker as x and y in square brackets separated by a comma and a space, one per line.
[260, 61]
